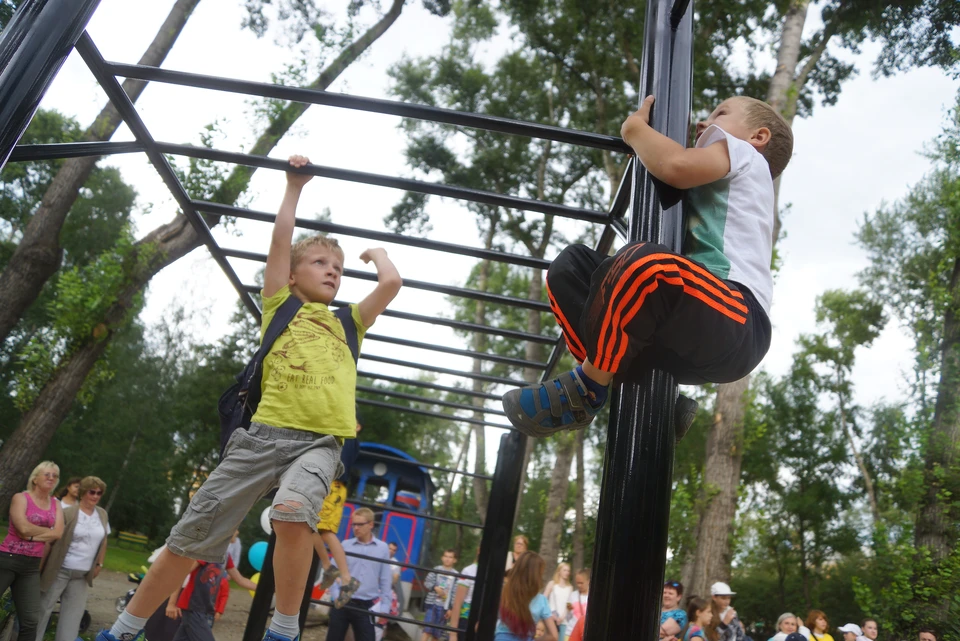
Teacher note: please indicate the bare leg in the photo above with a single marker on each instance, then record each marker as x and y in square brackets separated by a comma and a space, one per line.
[597, 375]
[321, 550]
[337, 551]
[291, 561]
[165, 575]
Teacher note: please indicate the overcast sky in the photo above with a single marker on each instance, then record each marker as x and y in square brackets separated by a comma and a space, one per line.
[848, 159]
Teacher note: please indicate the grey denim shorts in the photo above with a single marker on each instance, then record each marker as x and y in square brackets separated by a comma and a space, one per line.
[299, 464]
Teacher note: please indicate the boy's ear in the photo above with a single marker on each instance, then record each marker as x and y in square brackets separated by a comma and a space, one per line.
[760, 138]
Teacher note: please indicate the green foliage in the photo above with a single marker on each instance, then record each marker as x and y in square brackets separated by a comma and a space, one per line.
[81, 299]
[907, 588]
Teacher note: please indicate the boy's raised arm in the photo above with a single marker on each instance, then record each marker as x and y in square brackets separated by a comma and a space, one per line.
[388, 284]
[670, 161]
[277, 273]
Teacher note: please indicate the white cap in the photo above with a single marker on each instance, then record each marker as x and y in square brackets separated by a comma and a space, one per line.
[851, 627]
[721, 589]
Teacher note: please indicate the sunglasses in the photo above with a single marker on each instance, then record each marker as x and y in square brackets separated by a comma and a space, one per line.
[357, 524]
[95, 492]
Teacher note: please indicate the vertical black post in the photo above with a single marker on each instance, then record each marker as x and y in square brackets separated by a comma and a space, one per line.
[495, 543]
[263, 597]
[631, 539]
[32, 49]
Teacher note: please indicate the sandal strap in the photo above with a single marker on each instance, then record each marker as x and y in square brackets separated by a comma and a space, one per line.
[575, 390]
[553, 396]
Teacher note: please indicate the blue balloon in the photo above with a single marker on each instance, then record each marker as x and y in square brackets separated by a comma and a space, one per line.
[256, 554]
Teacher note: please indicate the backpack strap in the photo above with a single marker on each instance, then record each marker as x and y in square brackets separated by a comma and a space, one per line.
[250, 378]
[345, 314]
[286, 313]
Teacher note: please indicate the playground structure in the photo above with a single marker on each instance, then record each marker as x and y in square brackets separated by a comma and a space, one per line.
[632, 522]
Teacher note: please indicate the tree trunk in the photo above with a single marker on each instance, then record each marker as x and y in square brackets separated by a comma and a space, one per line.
[938, 514]
[864, 472]
[557, 501]
[579, 522]
[25, 447]
[165, 245]
[721, 481]
[481, 493]
[115, 487]
[533, 352]
[38, 255]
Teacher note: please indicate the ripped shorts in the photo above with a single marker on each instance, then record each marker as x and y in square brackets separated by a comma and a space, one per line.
[300, 465]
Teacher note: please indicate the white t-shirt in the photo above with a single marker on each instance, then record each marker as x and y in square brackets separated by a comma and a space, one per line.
[88, 533]
[559, 596]
[234, 551]
[579, 602]
[470, 570]
[730, 221]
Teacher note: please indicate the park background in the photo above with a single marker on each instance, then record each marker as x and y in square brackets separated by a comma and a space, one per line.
[862, 306]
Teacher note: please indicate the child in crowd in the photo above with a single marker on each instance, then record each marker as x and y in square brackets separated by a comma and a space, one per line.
[702, 316]
[460, 611]
[672, 616]
[558, 593]
[306, 411]
[203, 599]
[329, 525]
[699, 614]
[439, 589]
[577, 602]
[522, 606]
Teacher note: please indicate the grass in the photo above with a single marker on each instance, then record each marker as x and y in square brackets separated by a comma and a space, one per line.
[124, 560]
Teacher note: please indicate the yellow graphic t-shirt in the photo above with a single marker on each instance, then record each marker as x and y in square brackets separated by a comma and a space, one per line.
[309, 377]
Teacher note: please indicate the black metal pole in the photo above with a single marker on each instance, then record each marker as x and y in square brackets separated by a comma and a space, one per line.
[631, 538]
[498, 526]
[32, 49]
[263, 597]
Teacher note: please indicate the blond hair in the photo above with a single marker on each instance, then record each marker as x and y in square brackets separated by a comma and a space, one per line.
[91, 483]
[780, 148]
[299, 249]
[556, 574]
[365, 512]
[38, 470]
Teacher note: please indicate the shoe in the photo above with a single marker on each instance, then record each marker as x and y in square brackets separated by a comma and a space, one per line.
[684, 411]
[104, 635]
[346, 593]
[329, 576]
[270, 635]
[568, 406]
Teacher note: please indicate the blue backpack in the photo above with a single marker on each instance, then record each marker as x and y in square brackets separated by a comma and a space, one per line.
[239, 403]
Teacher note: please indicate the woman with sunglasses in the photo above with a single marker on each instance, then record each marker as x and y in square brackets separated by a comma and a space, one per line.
[74, 561]
[35, 520]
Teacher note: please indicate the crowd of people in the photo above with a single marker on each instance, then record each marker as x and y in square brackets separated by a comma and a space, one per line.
[53, 551]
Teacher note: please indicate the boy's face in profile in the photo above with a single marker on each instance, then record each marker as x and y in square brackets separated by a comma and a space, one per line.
[730, 115]
[316, 277]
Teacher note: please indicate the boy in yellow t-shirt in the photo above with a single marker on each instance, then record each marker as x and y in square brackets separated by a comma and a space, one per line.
[293, 444]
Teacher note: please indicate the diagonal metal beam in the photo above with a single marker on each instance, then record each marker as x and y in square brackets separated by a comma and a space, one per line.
[88, 51]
